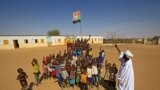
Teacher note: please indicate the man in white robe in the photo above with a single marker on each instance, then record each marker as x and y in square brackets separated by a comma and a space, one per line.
[126, 73]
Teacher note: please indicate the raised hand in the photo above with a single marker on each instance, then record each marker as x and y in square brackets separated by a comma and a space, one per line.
[117, 47]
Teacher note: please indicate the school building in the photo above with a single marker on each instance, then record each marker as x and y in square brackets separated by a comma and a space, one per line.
[12, 42]
[152, 41]
[56, 40]
[93, 39]
[29, 41]
[63, 40]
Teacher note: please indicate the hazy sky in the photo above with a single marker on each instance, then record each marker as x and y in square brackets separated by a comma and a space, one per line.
[130, 18]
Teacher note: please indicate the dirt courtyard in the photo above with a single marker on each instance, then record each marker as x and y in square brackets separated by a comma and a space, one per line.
[146, 62]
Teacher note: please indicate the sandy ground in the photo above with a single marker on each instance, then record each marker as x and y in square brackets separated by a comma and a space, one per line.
[146, 63]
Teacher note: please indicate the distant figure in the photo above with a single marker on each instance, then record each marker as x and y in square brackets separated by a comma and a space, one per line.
[126, 73]
[22, 78]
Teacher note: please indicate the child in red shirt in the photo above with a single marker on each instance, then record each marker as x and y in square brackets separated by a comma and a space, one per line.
[54, 73]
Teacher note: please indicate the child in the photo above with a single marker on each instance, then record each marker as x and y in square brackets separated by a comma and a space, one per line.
[60, 81]
[36, 70]
[113, 73]
[103, 53]
[44, 69]
[106, 75]
[78, 73]
[100, 59]
[72, 77]
[79, 52]
[74, 51]
[22, 78]
[89, 75]
[54, 73]
[95, 74]
[83, 81]
[99, 67]
[49, 67]
[78, 68]
[57, 68]
[64, 75]
[78, 76]
[68, 67]
[74, 60]
[90, 53]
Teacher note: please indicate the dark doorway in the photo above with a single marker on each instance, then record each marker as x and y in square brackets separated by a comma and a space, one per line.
[16, 44]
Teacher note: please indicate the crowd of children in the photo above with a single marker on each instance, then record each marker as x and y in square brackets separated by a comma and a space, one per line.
[77, 66]
[110, 76]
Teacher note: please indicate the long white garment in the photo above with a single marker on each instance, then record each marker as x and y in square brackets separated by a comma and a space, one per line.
[126, 74]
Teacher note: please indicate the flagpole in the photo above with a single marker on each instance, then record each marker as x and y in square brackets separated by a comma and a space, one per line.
[77, 18]
[81, 29]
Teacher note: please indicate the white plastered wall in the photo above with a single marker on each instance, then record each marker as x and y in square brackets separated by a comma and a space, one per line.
[21, 41]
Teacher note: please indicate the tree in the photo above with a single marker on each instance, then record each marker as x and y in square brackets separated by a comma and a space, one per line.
[54, 32]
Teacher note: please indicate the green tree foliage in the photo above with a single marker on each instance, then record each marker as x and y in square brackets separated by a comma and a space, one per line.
[54, 32]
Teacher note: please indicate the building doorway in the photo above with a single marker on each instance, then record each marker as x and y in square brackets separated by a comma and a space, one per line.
[16, 44]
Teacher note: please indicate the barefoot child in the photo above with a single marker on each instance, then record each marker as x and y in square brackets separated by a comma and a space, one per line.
[22, 78]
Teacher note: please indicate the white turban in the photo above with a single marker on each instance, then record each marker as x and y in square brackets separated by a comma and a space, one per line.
[128, 54]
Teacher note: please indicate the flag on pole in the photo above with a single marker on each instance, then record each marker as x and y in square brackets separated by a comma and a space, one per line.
[76, 17]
